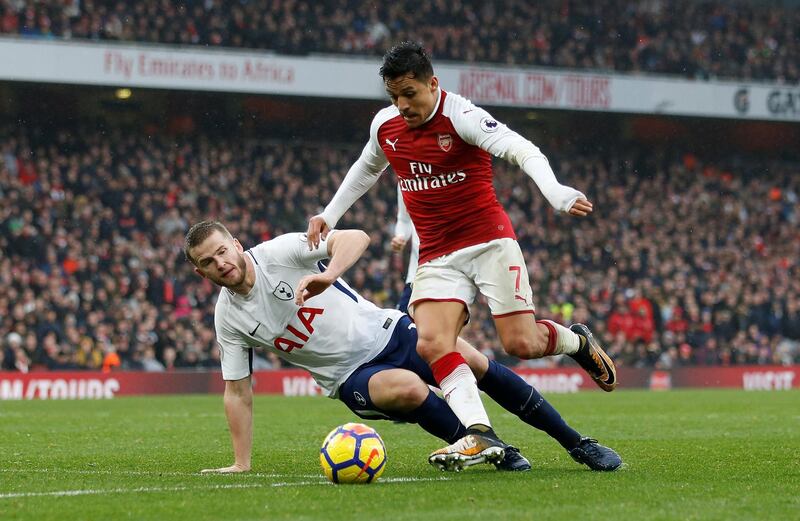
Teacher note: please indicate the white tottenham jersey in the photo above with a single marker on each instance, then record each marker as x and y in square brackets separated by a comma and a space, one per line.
[330, 336]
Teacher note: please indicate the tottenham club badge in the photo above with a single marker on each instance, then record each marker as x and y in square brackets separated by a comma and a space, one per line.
[284, 291]
[445, 142]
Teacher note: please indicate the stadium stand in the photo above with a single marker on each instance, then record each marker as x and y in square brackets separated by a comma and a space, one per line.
[689, 260]
[695, 39]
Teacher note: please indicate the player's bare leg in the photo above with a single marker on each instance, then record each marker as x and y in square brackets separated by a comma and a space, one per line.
[438, 324]
[527, 338]
[522, 337]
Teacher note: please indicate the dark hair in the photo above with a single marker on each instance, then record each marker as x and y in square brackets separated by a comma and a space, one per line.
[406, 58]
[200, 232]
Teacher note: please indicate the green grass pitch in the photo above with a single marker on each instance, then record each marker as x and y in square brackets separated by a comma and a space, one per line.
[711, 454]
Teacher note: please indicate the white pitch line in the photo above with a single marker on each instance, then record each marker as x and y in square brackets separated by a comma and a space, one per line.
[410, 480]
[89, 492]
[300, 483]
[381, 480]
[151, 473]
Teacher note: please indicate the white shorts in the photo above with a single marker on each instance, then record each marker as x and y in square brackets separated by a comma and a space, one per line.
[495, 268]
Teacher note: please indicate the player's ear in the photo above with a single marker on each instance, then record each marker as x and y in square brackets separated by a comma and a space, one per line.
[197, 270]
[434, 83]
[238, 245]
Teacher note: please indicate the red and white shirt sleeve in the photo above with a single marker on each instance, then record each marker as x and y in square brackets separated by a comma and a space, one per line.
[477, 127]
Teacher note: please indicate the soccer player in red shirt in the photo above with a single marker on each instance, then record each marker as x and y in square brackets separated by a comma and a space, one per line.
[440, 146]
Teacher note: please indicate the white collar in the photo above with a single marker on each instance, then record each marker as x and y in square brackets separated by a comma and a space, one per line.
[435, 107]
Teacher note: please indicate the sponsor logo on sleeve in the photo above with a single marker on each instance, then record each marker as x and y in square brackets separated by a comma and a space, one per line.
[489, 125]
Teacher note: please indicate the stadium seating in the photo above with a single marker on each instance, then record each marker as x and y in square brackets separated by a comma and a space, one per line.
[695, 39]
[686, 261]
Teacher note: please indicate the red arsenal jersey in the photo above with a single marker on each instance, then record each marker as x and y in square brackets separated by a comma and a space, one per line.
[445, 178]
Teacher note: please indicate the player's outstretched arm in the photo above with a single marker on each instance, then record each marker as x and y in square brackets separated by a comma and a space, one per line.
[360, 177]
[478, 127]
[344, 249]
[239, 411]
[561, 197]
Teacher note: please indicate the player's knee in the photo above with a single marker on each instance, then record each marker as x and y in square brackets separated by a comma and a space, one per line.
[402, 396]
[397, 390]
[431, 348]
[410, 397]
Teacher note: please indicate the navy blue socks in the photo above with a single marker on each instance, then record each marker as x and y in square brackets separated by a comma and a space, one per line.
[516, 396]
[436, 417]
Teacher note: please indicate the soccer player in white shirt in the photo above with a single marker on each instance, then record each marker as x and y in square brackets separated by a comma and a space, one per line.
[280, 296]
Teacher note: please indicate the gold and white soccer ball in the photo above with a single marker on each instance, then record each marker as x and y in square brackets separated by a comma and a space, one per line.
[353, 453]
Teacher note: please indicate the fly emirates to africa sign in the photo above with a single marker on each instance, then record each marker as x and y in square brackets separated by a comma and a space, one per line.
[143, 64]
[255, 71]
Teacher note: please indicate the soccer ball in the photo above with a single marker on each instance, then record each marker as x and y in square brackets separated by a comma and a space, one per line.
[353, 453]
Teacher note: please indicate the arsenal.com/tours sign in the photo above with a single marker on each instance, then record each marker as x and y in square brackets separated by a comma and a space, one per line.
[75, 385]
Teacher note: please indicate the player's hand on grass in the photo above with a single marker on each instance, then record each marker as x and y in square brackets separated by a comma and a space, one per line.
[233, 469]
[581, 208]
[398, 243]
[317, 228]
[311, 286]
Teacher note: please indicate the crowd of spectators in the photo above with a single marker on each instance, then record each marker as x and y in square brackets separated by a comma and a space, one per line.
[691, 38]
[685, 261]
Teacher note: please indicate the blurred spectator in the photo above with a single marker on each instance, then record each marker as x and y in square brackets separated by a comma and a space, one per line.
[169, 359]
[621, 320]
[111, 361]
[149, 361]
[8, 359]
[88, 355]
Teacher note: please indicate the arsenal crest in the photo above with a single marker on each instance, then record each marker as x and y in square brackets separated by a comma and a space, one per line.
[445, 142]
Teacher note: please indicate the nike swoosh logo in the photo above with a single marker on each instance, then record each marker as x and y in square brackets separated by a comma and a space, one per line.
[609, 372]
[598, 360]
[372, 456]
[608, 377]
[253, 332]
